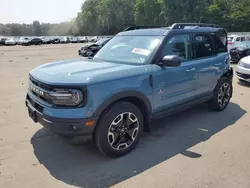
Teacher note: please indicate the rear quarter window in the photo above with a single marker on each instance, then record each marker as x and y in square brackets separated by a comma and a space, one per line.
[220, 41]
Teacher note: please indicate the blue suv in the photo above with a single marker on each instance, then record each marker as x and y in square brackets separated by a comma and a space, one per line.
[143, 73]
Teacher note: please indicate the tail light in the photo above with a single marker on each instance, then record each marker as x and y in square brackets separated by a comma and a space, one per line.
[230, 42]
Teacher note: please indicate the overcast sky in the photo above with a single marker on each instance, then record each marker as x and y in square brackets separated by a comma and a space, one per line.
[26, 11]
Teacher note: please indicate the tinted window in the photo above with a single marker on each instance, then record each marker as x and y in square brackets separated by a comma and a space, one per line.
[179, 45]
[238, 39]
[220, 41]
[243, 39]
[203, 46]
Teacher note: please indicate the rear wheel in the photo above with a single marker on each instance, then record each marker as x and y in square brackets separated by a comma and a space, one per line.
[118, 130]
[222, 95]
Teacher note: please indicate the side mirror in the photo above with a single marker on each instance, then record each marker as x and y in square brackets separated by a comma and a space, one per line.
[171, 61]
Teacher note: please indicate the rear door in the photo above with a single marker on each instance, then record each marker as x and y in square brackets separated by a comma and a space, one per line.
[212, 58]
[205, 59]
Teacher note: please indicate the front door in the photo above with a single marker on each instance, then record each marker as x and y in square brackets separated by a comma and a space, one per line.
[175, 85]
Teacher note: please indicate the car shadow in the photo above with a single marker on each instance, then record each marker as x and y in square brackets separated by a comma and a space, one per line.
[83, 166]
[244, 83]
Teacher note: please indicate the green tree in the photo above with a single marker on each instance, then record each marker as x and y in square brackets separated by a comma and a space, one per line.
[37, 28]
[150, 12]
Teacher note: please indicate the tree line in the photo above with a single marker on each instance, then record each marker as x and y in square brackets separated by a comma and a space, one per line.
[108, 17]
[39, 29]
[111, 16]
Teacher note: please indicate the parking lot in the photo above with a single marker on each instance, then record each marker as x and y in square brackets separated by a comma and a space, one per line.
[192, 149]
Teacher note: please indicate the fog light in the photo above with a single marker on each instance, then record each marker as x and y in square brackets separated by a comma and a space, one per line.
[73, 127]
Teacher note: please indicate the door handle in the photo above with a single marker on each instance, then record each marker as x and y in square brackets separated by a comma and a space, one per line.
[189, 70]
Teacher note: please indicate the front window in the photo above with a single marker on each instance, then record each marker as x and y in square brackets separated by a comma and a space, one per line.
[179, 45]
[129, 49]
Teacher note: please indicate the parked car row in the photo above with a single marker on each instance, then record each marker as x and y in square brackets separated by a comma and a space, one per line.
[239, 51]
[45, 40]
[238, 46]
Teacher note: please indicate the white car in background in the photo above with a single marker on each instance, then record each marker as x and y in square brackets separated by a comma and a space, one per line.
[235, 40]
[10, 41]
[243, 69]
[21, 40]
[64, 40]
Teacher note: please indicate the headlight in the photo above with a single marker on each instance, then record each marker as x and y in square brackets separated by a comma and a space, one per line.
[240, 63]
[66, 97]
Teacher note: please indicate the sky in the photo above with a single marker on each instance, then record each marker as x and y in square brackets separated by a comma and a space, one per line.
[48, 11]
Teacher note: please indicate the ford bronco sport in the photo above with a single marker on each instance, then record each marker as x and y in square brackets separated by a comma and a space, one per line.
[141, 74]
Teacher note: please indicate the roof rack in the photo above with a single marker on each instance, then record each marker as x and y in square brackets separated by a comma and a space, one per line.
[183, 25]
[174, 26]
[143, 27]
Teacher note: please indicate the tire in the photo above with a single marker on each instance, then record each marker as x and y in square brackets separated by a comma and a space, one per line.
[221, 95]
[115, 137]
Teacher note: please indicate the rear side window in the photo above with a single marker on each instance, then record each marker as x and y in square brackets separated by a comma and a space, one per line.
[243, 39]
[203, 46]
[220, 41]
[238, 39]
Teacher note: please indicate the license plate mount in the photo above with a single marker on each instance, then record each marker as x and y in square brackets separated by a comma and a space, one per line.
[32, 114]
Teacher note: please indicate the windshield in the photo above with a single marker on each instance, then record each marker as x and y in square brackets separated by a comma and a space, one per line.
[128, 49]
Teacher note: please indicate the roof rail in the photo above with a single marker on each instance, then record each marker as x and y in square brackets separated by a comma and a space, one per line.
[143, 27]
[182, 25]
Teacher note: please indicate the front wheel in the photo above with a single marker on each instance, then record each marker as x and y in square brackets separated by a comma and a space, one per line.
[222, 95]
[118, 130]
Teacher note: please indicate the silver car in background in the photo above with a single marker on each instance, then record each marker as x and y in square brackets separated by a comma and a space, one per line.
[243, 69]
[10, 41]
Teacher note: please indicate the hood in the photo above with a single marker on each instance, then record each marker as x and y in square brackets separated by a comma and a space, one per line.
[246, 60]
[239, 48]
[90, 46]
[84, 71]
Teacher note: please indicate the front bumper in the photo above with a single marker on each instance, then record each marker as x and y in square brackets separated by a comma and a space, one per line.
[61, 126]
[10, 43]
[243, 73]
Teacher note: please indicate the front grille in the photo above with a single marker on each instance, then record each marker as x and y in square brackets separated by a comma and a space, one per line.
[35, 105]
[244, 76]
[40, 90]
[41, 97]
[40, 84]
